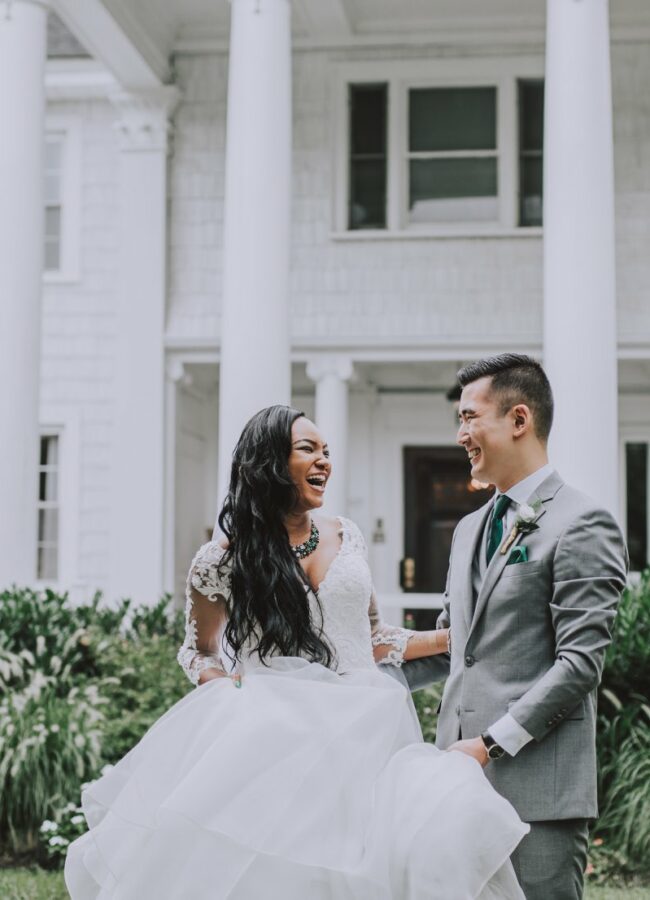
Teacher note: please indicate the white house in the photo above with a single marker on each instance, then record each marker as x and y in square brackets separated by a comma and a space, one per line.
[334, 202]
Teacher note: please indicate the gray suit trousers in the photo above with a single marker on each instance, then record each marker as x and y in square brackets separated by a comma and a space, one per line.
[550, 861]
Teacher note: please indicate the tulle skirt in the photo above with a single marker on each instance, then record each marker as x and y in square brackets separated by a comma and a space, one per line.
[301, 785]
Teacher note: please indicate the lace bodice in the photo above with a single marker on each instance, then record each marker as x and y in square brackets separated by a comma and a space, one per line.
[351, 623]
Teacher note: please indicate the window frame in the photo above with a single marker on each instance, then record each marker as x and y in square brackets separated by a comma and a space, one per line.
[70, 193]
[400, 77]
[64, 424]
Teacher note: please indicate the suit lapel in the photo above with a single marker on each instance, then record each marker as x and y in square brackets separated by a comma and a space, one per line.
[475, 533]
[544, 495]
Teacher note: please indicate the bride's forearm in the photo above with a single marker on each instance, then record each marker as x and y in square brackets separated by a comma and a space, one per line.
[427, 643]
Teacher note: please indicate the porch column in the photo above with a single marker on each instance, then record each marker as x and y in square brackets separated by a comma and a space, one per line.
[255, 347]
[332, 374]
[138, 497]
[580, 346]
[22, 114]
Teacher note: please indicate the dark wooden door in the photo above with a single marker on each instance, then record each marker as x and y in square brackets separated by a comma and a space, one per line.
[439, 491]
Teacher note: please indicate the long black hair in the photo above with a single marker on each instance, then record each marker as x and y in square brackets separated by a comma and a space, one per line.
[269, 603]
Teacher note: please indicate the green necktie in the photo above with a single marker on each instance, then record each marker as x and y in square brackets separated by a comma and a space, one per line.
[495, 534]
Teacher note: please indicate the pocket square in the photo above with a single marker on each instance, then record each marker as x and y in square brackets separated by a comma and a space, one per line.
[518, 555]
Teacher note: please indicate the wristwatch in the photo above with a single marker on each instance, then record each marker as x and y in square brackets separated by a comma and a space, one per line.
[494, 750]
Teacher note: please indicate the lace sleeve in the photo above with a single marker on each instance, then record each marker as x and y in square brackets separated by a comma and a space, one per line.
[206, 596]
[389, 642]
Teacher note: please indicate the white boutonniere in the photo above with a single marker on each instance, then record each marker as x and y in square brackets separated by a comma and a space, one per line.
[524, 523]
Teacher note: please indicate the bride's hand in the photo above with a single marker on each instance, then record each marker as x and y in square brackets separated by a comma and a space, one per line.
[473, 747]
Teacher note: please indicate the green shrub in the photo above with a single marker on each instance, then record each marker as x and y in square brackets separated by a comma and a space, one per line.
[626, 815]
[426, 705]
[49, 745]
[144, 682]
[622, 733]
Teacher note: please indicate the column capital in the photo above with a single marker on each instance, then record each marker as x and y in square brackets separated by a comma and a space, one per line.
[144, 117]
[333, 364]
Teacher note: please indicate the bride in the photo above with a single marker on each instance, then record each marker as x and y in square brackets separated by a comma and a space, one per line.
[296, 769]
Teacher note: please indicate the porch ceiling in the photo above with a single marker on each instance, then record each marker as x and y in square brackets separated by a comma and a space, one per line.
[136, 39]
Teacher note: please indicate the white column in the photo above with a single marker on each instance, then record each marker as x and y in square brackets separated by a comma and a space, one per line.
[332, 374]
[255, 348]
[580, 347]
[22, 109]
[138, 496]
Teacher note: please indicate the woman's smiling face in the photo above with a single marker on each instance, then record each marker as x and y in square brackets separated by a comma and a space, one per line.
[309, 464]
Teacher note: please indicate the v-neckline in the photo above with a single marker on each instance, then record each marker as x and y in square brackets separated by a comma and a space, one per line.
[317, 591]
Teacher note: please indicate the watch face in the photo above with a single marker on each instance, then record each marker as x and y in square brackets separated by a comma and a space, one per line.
[495, 752]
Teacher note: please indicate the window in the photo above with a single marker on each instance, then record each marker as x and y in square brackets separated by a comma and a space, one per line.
[53, 178]
[444, 146]
[531, 143]
[47, 566]
[62, 189]
[636, 489]
[452, 155]
[368, 108]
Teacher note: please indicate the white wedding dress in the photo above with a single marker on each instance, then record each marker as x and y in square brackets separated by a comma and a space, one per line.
[307, 783]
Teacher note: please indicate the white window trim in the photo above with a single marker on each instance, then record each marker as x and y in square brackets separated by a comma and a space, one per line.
[400, 76]
[69, 268]
[632, 434]
[64, 423]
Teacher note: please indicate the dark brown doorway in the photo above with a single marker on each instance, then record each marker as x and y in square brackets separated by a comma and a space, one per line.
[438, 492]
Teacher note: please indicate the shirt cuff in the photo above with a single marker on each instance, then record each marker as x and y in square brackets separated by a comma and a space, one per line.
[509, 734]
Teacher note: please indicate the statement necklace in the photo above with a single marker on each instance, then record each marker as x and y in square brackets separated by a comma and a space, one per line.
[300, 551]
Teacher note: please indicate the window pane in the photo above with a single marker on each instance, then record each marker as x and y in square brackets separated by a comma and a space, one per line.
[636, 459]
[48, 526]
[367, 118]
[52, 238]
[52, 255]
[47, 486]
[52, 189]
[49, 450]
[367, 194]
[47, 564]
[452, 119]
[453, 190]
[531, 142]
[53, 221]
[531, 115]
[530, 197]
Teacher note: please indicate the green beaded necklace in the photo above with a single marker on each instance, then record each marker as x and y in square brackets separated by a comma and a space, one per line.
[300, 551]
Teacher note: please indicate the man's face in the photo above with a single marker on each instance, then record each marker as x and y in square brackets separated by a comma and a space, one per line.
[485, 433]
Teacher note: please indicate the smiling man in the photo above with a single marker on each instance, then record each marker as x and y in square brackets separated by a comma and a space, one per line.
[534, 580]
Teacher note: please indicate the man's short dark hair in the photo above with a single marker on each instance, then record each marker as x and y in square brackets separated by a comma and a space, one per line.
[516, 379]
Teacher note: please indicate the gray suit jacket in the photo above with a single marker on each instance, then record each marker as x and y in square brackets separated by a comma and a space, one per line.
[533, 644]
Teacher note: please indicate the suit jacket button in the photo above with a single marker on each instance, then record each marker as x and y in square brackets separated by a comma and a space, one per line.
[469, 660]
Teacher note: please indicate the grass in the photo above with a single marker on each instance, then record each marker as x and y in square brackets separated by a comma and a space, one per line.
[36, 884]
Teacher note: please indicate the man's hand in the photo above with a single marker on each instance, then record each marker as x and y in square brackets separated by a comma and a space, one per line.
[472, 747]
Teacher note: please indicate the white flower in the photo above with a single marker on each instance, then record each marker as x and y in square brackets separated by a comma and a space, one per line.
[48, 825]
[526, 513]
[77, 820]
[58, 841]
[107, 769]
[54, 728]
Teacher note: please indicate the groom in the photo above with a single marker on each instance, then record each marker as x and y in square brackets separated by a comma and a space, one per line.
[533, 583]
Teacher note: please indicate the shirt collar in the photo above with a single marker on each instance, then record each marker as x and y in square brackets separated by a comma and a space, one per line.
[521, 492]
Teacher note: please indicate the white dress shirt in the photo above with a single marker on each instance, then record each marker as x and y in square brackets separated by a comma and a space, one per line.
[507, 732]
